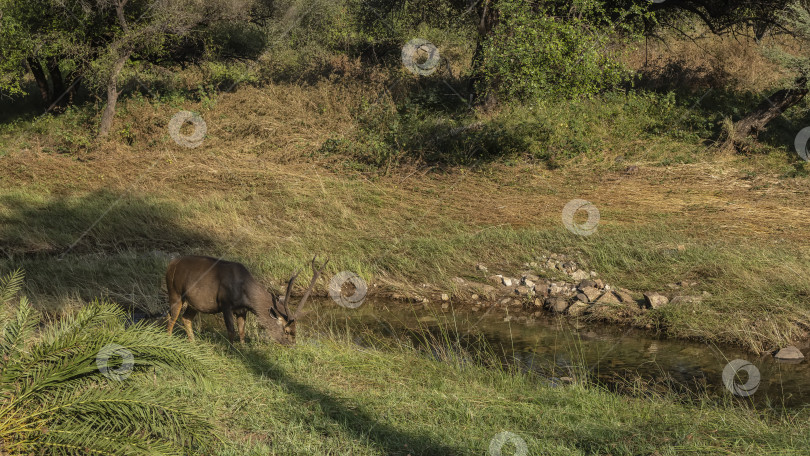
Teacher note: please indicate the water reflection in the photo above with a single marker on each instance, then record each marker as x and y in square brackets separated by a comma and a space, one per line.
[620, 359]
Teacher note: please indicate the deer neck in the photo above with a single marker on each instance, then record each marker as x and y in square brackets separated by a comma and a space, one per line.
[262, 303]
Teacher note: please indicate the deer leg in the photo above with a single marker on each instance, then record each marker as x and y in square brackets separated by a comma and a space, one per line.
[227, 313]
[175, 305]
[187, 317]
[240, 325]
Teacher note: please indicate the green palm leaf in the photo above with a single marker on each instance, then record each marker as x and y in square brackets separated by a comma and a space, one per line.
[61, 391]
[10, 285]
[16, 332]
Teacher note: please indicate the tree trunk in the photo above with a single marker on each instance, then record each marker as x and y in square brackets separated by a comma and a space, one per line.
[761, 29]
[112, 96]
[769, 109]
[475, 74]
[56, 81]
[41, 79]
[488, 19]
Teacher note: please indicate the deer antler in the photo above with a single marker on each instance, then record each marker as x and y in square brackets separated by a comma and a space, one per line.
[284, 303]
[316, 273]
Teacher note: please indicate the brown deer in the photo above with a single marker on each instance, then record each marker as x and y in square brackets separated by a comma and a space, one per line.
[210, 286]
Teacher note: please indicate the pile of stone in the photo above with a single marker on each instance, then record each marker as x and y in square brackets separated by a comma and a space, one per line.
[577, 292]
[569, 288]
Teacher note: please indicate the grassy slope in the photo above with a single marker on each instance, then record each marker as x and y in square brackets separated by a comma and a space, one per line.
[256, 191]
[253, 191]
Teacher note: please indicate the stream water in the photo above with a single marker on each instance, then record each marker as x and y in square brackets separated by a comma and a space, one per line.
[617, 358]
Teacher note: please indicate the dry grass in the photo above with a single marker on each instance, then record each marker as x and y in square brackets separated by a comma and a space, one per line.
[719, 194]
[709, 61]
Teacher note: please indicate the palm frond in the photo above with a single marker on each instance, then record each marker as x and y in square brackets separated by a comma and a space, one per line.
[55, 397]
[128, 411]
[151, 345]
[10, 285]
[94, 315]
[16, 332]
[70, 441]
[74, 356]
[133, 409]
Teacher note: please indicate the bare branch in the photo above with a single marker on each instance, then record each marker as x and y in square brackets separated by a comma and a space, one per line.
[119, 11]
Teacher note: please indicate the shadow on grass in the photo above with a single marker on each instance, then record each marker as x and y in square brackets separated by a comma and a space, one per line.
[102, 244]
[101, 221]
[357, 422]
[707, 92]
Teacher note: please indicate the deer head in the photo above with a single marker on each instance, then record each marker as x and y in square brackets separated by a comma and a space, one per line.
[284, 318]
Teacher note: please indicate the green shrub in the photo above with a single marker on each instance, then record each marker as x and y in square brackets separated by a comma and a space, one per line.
[550, 131]
[225, 75]
[532, 53]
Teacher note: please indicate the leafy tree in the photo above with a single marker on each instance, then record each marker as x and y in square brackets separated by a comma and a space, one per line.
[54, 398]
[796, 18]
[18, 46]
[723, 16]
[96, 39]
[741, 17]
[529, 50]
[11, 56]
[393, 20]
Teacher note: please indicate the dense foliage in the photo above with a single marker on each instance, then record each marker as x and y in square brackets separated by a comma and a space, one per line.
[513, 50]
[533, 53]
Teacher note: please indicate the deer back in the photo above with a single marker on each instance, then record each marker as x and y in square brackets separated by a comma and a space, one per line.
[208, 284]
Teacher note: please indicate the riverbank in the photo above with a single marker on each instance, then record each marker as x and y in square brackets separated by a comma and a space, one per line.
[98, 219]
[329, 396]
[348, 392]
[413, 240]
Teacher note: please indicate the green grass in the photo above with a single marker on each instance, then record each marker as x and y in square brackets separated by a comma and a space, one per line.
[331, 395]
